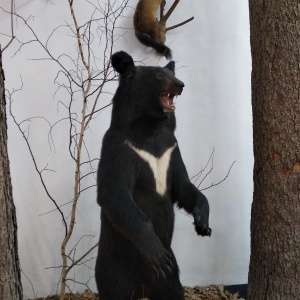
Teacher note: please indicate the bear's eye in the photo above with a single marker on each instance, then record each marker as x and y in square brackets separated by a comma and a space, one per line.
[159, 76]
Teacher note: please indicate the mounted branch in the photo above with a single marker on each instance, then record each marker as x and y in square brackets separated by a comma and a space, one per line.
[164, 18]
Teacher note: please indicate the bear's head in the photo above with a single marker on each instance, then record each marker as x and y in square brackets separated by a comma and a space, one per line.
[144, 90]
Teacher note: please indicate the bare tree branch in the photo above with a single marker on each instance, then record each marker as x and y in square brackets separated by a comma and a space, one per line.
[79, 78]
[180, 24]
[34, 160]
[165, 17]
[219, 182]
[12, 10]
[82, 257]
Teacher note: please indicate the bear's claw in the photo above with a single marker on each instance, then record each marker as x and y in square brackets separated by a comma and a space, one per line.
[201, 227]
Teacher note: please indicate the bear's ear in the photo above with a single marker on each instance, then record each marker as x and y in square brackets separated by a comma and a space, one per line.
[122, 62]
[171, 66]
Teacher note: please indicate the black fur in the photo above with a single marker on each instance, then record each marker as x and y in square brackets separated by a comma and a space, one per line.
[135, 258]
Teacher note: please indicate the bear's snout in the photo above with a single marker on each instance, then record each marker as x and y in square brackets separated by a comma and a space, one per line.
[180, 85]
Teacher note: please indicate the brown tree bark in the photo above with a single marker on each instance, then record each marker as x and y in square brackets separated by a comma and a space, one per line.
[274, 271]
[10, 279]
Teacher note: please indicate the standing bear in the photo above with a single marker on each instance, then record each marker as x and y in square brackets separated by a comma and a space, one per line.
[141, 176]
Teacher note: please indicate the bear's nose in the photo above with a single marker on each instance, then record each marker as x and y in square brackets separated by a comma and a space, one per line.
[180, 84]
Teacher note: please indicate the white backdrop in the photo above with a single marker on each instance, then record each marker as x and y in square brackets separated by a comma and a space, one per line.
[212, 55]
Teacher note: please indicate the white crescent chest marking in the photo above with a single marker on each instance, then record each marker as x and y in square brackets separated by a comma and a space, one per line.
[158, 165]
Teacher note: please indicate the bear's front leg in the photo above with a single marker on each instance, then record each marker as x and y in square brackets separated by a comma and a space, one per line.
[155, 255]
[200, 214]
[187, 196]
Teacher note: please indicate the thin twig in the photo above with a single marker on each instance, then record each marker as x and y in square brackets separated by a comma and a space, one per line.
[35, 163]
[180, 24]
[215, 184]
[203, 169]
[30, 282]
[82, 257]
[11, 25]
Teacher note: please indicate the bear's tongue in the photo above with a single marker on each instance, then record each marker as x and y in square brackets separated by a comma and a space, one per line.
[167, 102]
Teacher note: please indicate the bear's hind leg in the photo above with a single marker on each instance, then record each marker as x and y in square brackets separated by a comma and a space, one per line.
[169, 289]
[121, 289]
[115, 282]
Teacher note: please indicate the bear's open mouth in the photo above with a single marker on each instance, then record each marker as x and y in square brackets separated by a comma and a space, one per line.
[167, 101]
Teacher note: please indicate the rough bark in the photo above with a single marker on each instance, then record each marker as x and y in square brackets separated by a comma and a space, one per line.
[10, 281]
[274, 271]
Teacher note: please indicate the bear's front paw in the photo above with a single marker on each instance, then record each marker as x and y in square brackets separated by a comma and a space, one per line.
[201, 226]
[157, 258]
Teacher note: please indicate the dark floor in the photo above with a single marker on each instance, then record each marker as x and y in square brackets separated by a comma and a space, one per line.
[241, 288]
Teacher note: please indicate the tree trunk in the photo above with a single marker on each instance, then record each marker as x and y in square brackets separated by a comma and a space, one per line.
[274, 271]
[10, 279]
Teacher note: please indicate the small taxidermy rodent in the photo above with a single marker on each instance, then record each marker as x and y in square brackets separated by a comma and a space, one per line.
[147, 29]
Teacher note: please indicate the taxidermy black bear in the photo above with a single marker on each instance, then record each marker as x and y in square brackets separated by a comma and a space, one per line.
[147, 29]
[141, 176]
